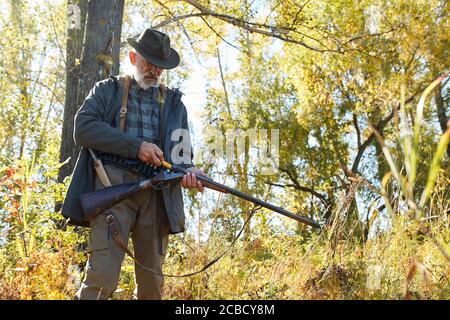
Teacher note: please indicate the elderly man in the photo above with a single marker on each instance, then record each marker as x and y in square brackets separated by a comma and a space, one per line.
[129, 123]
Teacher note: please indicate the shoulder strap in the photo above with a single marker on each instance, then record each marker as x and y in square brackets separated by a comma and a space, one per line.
[123, 110]
[162, 93]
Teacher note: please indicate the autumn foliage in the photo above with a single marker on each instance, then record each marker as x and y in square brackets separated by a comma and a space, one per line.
[359, 91]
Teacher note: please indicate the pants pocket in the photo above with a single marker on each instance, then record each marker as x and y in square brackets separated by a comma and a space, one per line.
[99, 235]
[163, 239]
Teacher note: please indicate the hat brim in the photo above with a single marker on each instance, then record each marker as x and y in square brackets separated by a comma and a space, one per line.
[171, 62]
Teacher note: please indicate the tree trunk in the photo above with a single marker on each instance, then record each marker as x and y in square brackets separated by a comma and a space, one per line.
[101, 48]
[92, 55]
[77, 11]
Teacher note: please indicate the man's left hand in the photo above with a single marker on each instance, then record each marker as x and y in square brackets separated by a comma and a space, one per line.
[190, 181]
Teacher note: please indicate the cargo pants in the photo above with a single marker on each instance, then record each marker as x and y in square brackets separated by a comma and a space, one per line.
[144, 216]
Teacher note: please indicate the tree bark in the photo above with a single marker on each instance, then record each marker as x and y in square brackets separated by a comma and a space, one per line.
[100, 56]
[74, 46]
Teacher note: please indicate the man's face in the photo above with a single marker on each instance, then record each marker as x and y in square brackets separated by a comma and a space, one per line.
[146, 74]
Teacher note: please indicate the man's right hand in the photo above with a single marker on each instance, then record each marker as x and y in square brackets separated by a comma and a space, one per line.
[150, 153]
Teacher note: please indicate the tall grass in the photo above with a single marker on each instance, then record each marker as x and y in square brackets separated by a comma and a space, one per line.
[407, 260]
[38, 259]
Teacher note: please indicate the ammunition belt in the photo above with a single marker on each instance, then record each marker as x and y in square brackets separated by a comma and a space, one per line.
[133, 165]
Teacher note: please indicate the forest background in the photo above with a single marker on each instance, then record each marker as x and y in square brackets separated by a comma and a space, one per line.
[359, 91]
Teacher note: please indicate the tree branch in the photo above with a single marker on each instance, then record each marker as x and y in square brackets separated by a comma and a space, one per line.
[296, 185]
[353, 177]
[380, 126]
[222, 38]
[278, 32]
[358, 132]
[355, 117]
[223, 84]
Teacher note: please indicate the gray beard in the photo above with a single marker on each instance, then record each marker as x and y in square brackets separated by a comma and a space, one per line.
[143, 83]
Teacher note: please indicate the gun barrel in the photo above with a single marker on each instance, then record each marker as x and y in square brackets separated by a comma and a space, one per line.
[272, 207]
[223, 188]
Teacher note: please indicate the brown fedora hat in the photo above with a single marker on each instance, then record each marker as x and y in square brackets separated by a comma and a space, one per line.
[154, 46]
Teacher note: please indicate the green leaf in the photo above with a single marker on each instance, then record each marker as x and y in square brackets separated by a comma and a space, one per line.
[417, 125]
[435, 166]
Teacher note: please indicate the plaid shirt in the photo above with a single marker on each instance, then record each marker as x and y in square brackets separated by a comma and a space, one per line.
[143, 113]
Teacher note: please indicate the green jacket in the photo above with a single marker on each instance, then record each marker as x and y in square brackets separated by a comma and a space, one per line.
[93, 129]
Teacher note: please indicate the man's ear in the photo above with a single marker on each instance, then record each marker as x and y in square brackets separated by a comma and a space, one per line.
[132, 56]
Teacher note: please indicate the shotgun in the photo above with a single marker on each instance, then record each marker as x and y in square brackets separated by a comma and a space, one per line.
[98, 201]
